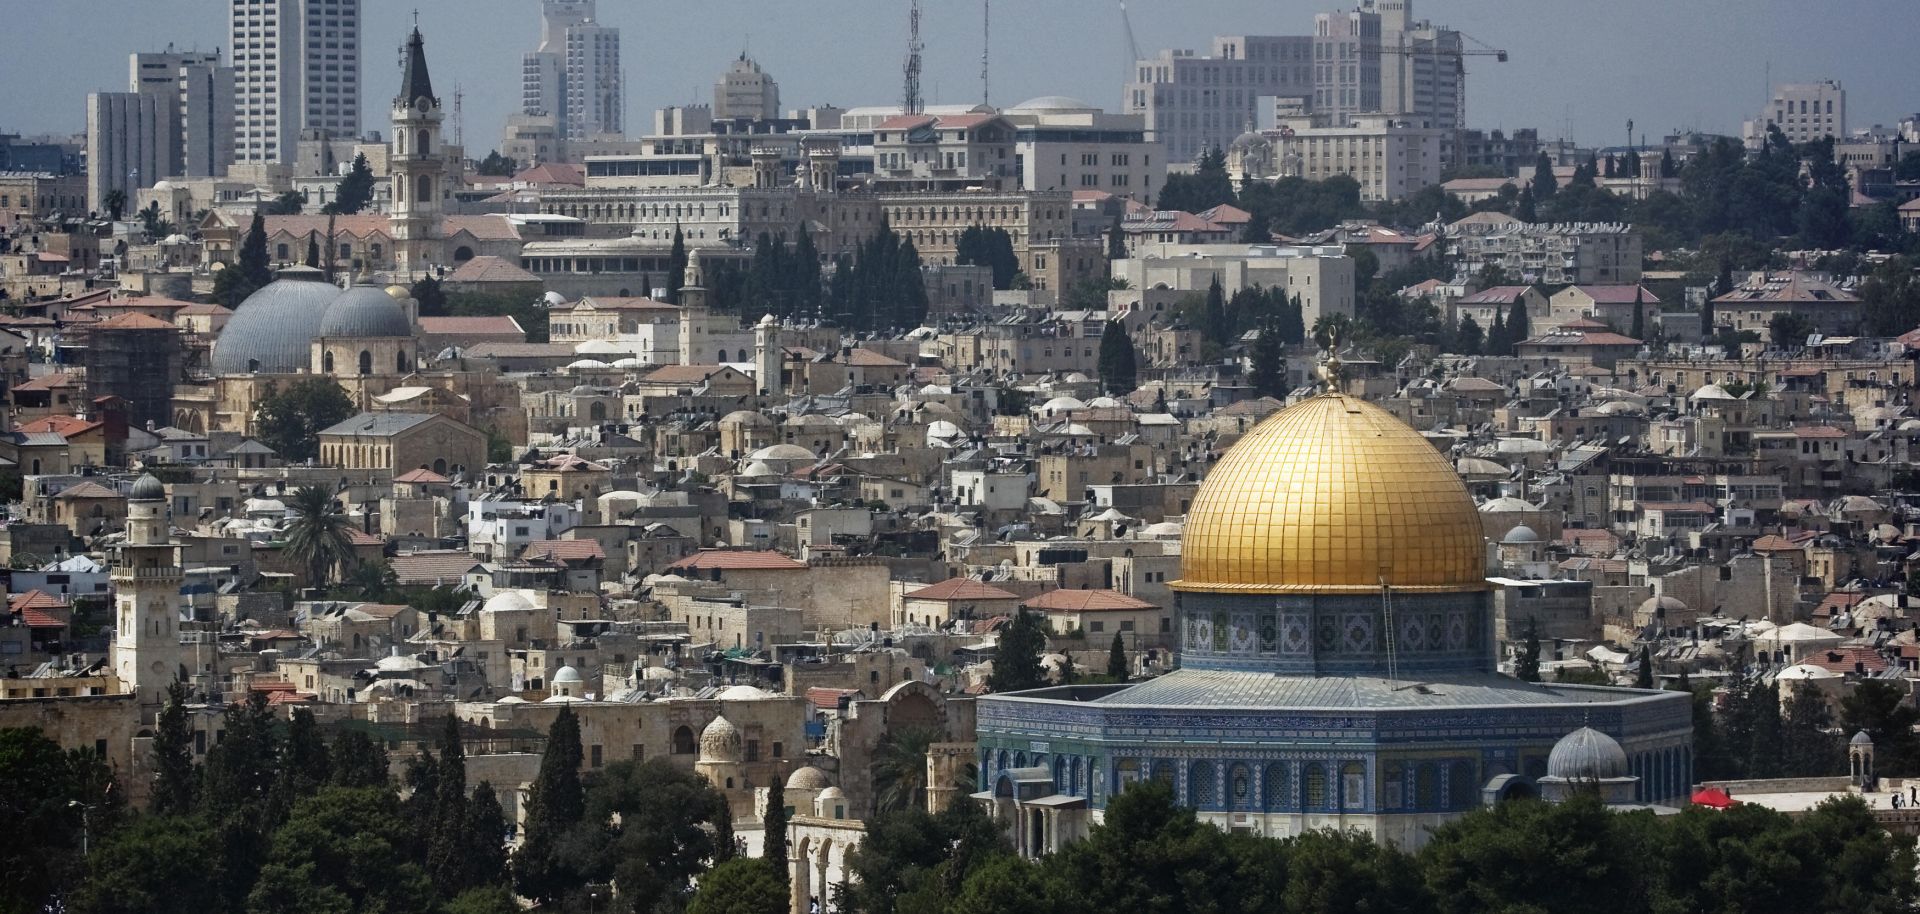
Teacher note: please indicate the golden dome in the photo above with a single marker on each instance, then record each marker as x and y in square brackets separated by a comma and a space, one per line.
[1332, 495]
[399, 293]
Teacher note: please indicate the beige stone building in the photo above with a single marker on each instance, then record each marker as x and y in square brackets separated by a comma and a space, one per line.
[398, 442]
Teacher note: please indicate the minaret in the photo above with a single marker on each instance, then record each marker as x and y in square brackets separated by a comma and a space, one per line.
[417, 165]
[146, 598]
[767, 356]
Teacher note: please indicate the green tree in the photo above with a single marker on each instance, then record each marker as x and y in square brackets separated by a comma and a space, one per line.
[485, 840]
[1527, 208]
[306, 765]
[290, 203]
[650, 828]
[676, 265]
[1468, 336]
[1639, 314]
[317, 537]
[158, 864]
[1118, 369]
[1216, 329]
[358, 761]
[1117, 660]
[342, 851]
[912, 861]
[1016, 662]
[742, 885]
[1269, 362]
[1788, 330]
[448, 840]
[496, 165]
[253, 269]
[1808, 746]
[1667, 167]
[54, 800]
[290, 420]
[355, 190]
[1890, 298]
[487, 900]
[1518, 328]
[430, 295]
[1499, 341]
[1887, 716]
[1347, 872]
[174, 775]
[1530, 856]
[313, 251]
[1544, 185]
[555, 804]
[1643, 677]
[899, 768]
[1205, 189]
[1116, 239]
[1526, 665]
[116, 203]
[374, 582]
[773, 845]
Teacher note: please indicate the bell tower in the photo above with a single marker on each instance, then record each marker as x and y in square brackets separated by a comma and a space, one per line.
[146, 598]
[418, 165]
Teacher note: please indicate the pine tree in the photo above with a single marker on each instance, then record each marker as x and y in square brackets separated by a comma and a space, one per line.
[1118, 369]
[358, 761]
[1468, 336]
[486, 837]
[174, 775]
[774, 844]
[1643, 679]
[308, 765]
[1612, 166]
[1525, 210]
[1544, 184]
[1667, 168]
[1016, 661]
[554, 805]
[1517, 324]
[1499, 342]
[1117, 659]
[1526, 667]
[676, 265]
[1639, 315]
[1268, 355]
[447, 834]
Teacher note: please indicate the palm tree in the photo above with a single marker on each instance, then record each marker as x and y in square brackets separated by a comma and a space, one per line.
[372, 581]
[317, 535]
[116, 203]
[899, 768]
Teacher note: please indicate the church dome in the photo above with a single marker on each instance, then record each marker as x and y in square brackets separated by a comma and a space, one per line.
[364, 312]
[720, 742]
[1587, 754]
[1332, 495]
[148, 488]
[273, 329]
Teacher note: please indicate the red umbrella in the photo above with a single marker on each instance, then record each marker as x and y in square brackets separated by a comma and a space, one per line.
[1712, 797]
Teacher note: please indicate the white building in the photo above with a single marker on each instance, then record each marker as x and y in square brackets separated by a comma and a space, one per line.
[296, 66]
[1389, 156]
[1322, 275]
[1803, 111]
[746, 92]
[1066, 144]
[130, 144]
[201, 89]
[574, 76]
[1194, 103]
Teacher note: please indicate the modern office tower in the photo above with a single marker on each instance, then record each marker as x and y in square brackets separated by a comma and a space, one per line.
[1806, 112]
[131, 143]
[201, 88]
[1193, 104]
[574, 76]
[746, 92]
[296, 66]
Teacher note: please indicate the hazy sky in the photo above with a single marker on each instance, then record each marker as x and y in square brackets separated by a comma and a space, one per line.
[1581, 65]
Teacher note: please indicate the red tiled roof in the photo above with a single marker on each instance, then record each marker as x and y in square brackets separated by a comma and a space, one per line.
[88, 489]
[1774, 542]
[360, 538]
[133, 320]
[496, 324]
[49, 381]
[736, 560]
[1500, 295]
[824, 698]
[953, 589]
[430, 567]
[36, 599]
[38, 618]
[1097, 600]
[488, 268]
[564, 550]
[64, 426]
[683, 374]
[1844, 658]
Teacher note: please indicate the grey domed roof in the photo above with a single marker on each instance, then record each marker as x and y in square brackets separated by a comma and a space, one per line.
[273, 330]
[1587, 754]
[365, 311]
[1859, 739]
[148, 488]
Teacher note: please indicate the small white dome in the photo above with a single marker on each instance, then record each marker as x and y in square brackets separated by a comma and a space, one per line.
[586, 364]
[808, 778]
[782, 452]
[566, 675]
[507, 601]
[742, 693]
[1061, 404]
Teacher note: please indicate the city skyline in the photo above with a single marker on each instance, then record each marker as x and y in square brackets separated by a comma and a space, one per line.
[1586, 92]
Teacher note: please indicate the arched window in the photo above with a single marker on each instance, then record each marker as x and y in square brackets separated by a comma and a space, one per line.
[1316, 786]
[400, 362]
[683, 741]
[440, 466]
[1353, 785]
[597, 411]
[1239, 787]
[366, 362]
[1203, 789]
[326, 363]
[421, 146]
[1274, 796]
[462, 254]
[423, 189]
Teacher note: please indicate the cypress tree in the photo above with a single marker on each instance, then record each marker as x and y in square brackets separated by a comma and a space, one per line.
[1667, 168]
[1612, 166]
[1517, 325]
[774, 845]
[308, 764]
[1526, 667]
[1498, 340]
[356, 189]
[486, 838]
[554, 805]
[1544, 184]
[174, 774]
[1116, 239]
[1293, 321]
[1644, 678]
[1639, 315]
[1117, 659]
[1469, 337]
[313, 251]
[1525, 210]
[1216, 314]
[676, 265]
[804, 271]
[1118, 369]
[447, 838]
[1268, 355]
[1016, 661]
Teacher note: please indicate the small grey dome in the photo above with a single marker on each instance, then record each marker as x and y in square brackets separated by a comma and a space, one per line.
[566, 675]
[1521, 534]
[720, 741]
[1587, 754]
[273, 330]
[1860, 739]
[808, 778]
[364, 312]
[148, 488]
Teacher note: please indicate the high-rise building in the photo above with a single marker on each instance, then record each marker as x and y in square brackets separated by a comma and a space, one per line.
[201, 88]
[296, 66]
[1805, 112]
[1372, 59]
[574, 76]
[746, 92]
[131, 144]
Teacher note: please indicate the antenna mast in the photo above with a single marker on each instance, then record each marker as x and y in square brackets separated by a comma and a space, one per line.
[914, 47]
[459, 122]
[986, 47]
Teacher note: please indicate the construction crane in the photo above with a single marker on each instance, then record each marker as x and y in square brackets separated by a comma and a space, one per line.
[1133, 45]
[1431, 49]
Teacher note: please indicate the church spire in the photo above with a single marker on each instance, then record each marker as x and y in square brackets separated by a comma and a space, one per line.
[415, 84]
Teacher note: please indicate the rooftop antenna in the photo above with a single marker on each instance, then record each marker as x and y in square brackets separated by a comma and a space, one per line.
[986, 47]
[459, 122]
[914, 47]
